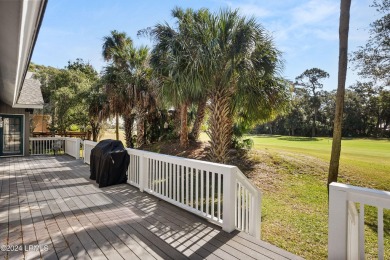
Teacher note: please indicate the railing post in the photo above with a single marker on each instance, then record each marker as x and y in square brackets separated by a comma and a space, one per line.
[337, 226]
[255, 218]
[229, 200]
[143, 172]
[77, 148]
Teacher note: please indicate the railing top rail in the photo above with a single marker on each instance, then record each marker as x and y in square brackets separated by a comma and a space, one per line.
[153, 155]
[46, 138]
[53, 138]
[360, 190]
[241, 176]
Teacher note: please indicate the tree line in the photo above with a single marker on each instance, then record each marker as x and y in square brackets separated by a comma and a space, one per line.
[312, 111]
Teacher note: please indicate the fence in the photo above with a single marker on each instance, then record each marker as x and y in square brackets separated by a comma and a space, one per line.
[346, 223]
[220, 193]
[55, 145]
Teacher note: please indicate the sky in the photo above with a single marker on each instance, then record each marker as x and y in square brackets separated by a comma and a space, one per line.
[305, 31]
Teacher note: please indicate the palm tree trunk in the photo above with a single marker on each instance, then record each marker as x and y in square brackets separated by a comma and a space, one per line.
[183, 125]
[200, 114]
[342, 74]
[95, 129]
[177, 121]
[220, 126]
[117, 126]
[129, 122]
[141, 127]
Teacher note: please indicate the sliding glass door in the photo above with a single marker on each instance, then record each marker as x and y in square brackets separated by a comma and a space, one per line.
[11, 135]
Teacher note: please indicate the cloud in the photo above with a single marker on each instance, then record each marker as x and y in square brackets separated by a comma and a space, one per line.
[250, 9]
[314, 12]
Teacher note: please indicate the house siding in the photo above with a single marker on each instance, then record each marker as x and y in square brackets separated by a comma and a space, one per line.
[6, 109]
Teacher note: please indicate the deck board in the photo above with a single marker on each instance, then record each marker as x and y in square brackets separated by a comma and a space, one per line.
[50, 201]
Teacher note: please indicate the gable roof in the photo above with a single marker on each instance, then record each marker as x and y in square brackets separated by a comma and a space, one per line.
[30, 95]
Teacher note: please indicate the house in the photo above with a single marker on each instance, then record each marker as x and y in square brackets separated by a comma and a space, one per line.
[20, 21]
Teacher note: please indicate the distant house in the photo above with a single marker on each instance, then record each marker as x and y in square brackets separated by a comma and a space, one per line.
[20, 21]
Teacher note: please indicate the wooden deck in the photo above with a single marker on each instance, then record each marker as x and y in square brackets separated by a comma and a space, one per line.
[50, 209]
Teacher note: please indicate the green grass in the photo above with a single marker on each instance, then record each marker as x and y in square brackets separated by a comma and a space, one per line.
[295, 204]
[363, 161]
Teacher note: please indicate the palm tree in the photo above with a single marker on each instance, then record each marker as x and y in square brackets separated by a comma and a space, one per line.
[116, 49]
[226, 58]
[97, 107]
[242, 66]
[116, 83]
[342, 74]
[142, 88]
[174, 57]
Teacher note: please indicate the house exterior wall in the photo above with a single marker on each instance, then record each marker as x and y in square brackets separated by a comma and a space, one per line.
[5, 109]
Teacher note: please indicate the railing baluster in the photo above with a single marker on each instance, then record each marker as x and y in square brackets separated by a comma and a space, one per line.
[136, 180]
[380, 234]
[201, 190]
[212, 194]
[149, 172]
[187, 175]
[154, 187]
[247, 211]
[132, 165]
[170, 180]
[207, 192]
[239, 206]
[192, 187]
[197, 189]
[151, 179]
[182, 183]
[175, 184]
[236, 185]
[167, 179]
[158, 176]
[163, 178]
[219, 195]
[137, 168]
[178, 180]
[242, 208]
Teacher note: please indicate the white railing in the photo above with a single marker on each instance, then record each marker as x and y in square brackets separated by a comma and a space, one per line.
[55, 145]
[220, 193]
[88, 146]
[72, 147]
[346, 224]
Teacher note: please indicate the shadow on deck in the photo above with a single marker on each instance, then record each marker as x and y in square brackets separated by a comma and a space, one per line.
[50, 203]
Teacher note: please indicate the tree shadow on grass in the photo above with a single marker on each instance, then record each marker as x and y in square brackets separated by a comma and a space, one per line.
[298, 138]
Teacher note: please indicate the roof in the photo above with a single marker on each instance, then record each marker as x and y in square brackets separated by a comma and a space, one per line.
[20, 22]
[30, 94]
